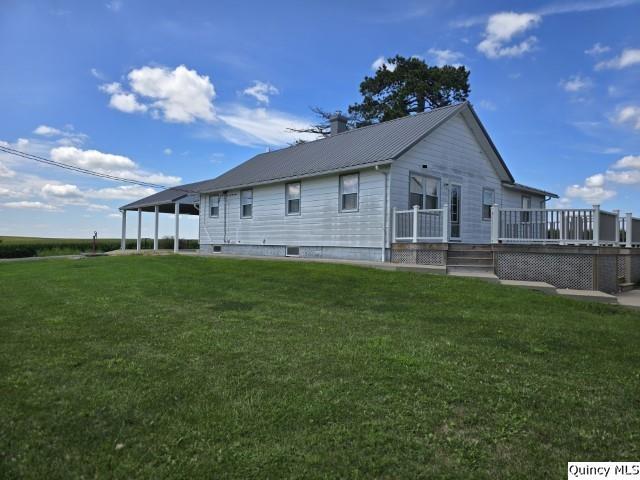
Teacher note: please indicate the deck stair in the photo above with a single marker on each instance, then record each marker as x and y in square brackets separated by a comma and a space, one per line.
[468, 258]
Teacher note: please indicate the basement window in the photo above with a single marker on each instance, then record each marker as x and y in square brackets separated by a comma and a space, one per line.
[293, 251]
[217, 249]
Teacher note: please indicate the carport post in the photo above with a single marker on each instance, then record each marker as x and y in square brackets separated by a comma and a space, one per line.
[176, 238]
[123, 241]
[155, 232]
[139, 244]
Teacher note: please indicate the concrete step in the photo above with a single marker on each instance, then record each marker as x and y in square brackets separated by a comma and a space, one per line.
[487, 262]
[469, 246]
[540, 286]
[626, 287]
[469, 269]
[486, 276]
[470, 253]
[588, 295]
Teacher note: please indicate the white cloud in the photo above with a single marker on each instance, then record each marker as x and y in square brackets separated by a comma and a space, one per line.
[591, 195]
[445, 57]
[94, 207]
[576, 83]
[629, 114]
[597, 49]
[487, 105]
[6, 172]
[260, 126]
[627, 177]
[47, 131]
[29, 204]
[97, 74]
[612, 150]
[380, 62]
[261, 91]
[167, 151]
[90, 159]
[180, 95]
[65, 191]
[628, 161]
[628, 57]
[501, 28]
[65, 136]
[114, 5]
[114, 215]
[123, 192]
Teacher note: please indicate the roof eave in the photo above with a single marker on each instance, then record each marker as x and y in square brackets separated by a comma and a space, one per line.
[524, 188]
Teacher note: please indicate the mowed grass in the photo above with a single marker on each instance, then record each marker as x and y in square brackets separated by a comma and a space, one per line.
[189, 367]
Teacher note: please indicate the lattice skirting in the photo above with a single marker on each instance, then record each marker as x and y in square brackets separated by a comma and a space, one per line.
[420, 257]
[620, 266]
[562, 271]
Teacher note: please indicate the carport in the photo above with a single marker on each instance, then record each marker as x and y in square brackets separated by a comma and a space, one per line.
[173, 201]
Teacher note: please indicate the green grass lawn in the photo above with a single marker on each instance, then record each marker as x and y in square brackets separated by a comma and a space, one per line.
[187, 367]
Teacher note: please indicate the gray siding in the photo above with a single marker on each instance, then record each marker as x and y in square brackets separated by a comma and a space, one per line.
[320, 223]
[452, 154]
[513, 199]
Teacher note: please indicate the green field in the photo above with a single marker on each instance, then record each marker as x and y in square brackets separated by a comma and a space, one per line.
[18, 247]
[191, 367]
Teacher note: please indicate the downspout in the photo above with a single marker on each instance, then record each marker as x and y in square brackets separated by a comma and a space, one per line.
[384, 212]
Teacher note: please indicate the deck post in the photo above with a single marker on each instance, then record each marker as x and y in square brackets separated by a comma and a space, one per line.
[139, 242]
[596, 225]
[176, 238]
[415, 223]
[393, 225]
[445, 223]
[495, 223]
[628, 230]
[617, 227]
[123, 241]
[155, 231]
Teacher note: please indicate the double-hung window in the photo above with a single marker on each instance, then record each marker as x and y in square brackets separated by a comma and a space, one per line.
[526, 203]
[488, 199]
[292, 198]
[246, 203]
[214, 206]
[424, 192]
[349, 188]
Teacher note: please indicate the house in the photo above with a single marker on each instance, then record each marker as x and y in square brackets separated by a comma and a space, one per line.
[334, 197]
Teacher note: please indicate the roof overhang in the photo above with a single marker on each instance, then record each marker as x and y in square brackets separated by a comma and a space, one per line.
[524, 188]
[166, 201]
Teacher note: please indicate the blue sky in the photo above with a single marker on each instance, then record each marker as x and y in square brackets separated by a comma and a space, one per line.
[176, 92]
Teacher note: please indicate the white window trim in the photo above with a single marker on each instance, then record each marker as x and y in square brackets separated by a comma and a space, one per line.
[487, 219]
[210, 205]
[243, 204]
[350, 210]
[424, 186]
[286, 200]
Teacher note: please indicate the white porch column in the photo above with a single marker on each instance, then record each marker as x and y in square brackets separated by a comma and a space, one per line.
[628, 230]
[139, 243]
[123, 241]
[495, 223]
[155, 231]
[445, 223]
[596, 225]
[415, 223]
[393, 225]
[617, 227]
[176, 238]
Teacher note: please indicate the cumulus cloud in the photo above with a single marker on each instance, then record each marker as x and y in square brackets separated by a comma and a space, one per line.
[261, 91]
[178, 96]
[64, 136]
[29, 204]
[597, 49]
[259, 126]
[629, 114]
[590, 195]
[62, 191]
[627, 177]
[445, 57]
[628, 161]
[576, 83]
[47, 131]
[380, 62]
[6, 172]
[117, 165]
[628, 57]
[123, 192]
[500, 30]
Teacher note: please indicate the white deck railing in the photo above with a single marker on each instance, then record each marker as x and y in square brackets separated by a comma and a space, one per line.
[572, 226]
[417, 225]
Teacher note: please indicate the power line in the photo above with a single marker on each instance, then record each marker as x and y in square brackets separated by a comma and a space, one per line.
[86, 171]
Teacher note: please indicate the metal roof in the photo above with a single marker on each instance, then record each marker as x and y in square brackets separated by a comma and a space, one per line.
[525, 188]
[366, 146]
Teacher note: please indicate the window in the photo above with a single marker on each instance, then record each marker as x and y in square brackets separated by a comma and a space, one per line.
[424, 192]
[246, 203]
[214, 205]
[349, 185]
[488, 199]
[292, 198]
[526, 203]
[292, 251]
[217, 249]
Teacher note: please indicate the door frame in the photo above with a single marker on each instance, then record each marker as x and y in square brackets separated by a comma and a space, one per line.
[457, 186]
